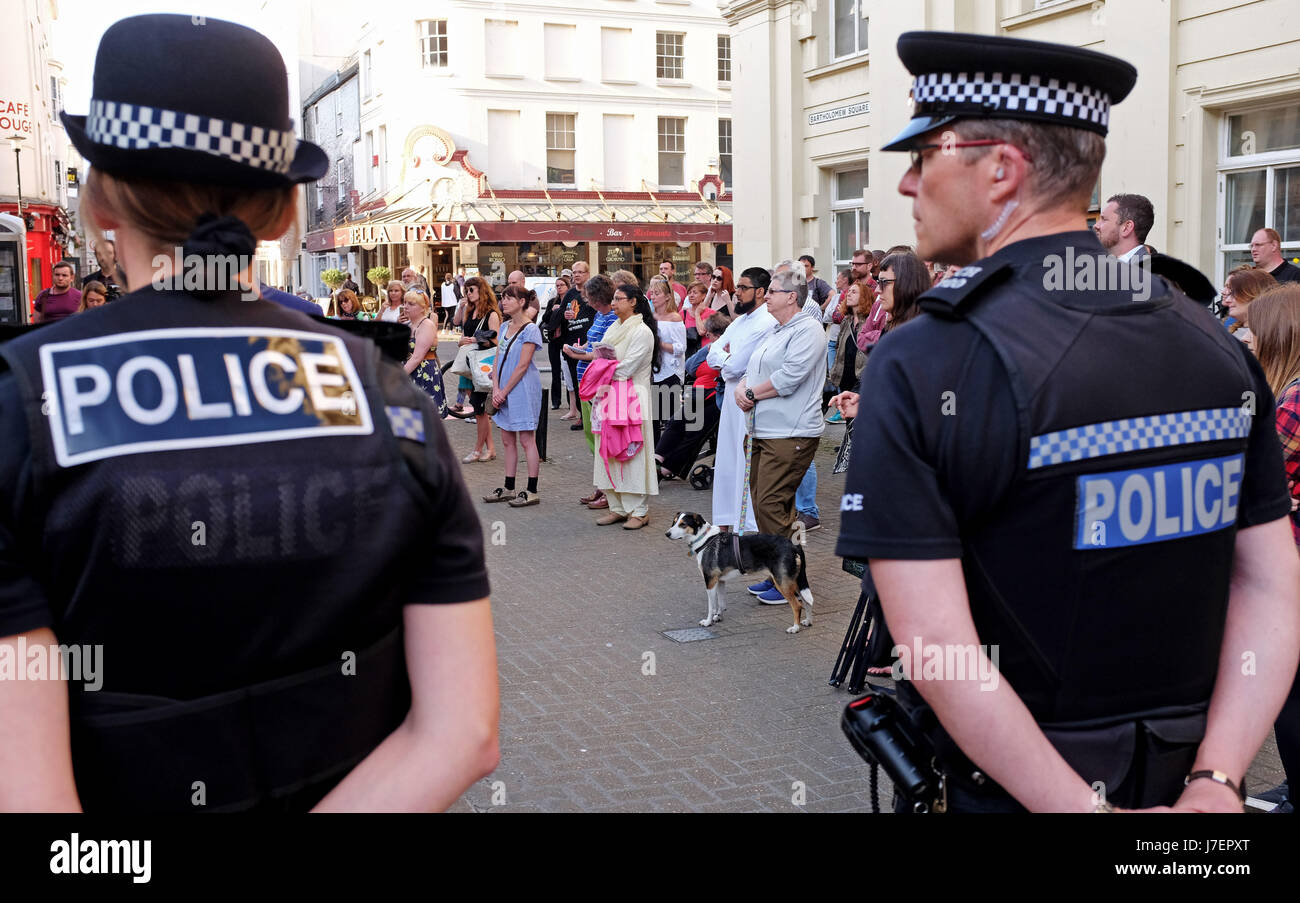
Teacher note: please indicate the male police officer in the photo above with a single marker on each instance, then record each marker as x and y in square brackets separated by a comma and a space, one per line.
[1080, 477]
[256, 519]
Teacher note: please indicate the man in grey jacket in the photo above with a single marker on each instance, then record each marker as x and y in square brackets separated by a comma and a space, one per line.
[783, 388]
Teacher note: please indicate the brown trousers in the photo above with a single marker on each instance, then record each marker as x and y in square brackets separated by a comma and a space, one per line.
[776, 468]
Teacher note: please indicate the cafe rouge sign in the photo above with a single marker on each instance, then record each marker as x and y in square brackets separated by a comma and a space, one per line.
[402, 232]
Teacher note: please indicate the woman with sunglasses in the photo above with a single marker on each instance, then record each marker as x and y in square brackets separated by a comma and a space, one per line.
[721, 290]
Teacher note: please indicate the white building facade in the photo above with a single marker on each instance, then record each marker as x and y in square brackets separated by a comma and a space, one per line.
[1211, 133]
[35, 152]
[496, 136]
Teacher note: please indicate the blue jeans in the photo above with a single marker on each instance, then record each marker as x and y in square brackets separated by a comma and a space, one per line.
[805, 497]
[830, 364]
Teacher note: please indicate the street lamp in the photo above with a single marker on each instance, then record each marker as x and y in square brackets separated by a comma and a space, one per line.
[16, 142]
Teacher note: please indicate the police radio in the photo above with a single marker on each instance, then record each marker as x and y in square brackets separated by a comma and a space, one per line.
[884, 736]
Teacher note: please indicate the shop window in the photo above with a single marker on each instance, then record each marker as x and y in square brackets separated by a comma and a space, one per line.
[848, 28]
[724, 58]
[1259, 182]
[433, 43]
[672, 152]
[560, 150]
[724, 151]
[669, 61]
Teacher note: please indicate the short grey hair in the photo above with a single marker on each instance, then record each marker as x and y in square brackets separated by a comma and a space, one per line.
[789, 280]
[1065, 162]
[787, 277]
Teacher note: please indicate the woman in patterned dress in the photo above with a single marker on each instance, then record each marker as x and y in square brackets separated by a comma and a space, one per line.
[422, 363]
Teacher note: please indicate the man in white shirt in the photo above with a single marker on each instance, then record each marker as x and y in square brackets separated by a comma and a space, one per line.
[450, 299]
[730, 355]
[1123, 224]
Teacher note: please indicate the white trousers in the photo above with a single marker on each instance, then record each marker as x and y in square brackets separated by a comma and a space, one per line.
[729, 468]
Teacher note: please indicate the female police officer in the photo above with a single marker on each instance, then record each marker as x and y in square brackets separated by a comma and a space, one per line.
[220, 499]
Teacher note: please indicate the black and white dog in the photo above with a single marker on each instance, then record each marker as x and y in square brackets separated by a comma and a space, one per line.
[723, 556]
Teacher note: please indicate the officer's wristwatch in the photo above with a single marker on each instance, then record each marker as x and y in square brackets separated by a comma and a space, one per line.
[749, 393]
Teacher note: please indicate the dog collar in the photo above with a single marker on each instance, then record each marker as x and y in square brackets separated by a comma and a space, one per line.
[702, 542]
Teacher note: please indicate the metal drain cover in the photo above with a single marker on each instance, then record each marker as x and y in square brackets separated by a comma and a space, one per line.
[690, 634]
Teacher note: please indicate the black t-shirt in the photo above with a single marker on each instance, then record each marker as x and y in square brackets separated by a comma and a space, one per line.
[1286, 271]
[266, 597]
[575, 330]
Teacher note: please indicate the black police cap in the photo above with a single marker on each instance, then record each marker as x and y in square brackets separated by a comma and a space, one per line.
[194, 100]
[1192, 281]
[965, 76]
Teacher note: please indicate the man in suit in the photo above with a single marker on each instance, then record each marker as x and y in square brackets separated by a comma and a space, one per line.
[1123, 225]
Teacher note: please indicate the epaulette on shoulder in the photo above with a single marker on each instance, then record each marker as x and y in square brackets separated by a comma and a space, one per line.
[954, 296]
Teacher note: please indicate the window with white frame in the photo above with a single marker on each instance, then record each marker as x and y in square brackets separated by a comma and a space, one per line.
[1259, 182]
[382, 181]
[367, 76]
[502, 57]
[724, 58]
[672, 152]
[669, 54]
[560, 150]
[55, 100]
[848, 27]
[724, 151]
[848, 214]
[433, 43]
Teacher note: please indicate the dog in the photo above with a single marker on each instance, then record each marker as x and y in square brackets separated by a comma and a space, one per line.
[724, 556]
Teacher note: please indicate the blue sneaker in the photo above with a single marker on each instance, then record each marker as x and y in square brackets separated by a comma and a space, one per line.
[772, 597]
[759, 588]
[836, 417]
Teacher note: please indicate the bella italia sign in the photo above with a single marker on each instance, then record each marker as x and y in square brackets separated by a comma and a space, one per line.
[391, 233]
[853, 109]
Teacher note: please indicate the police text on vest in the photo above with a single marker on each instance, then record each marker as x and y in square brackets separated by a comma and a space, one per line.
[188, 388]
[1157, 504]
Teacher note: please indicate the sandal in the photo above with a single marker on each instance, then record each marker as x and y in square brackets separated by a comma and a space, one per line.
[471, 457]
[491, 457]
[591, 498]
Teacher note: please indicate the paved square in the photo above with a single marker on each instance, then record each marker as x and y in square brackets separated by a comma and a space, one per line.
[601, 712]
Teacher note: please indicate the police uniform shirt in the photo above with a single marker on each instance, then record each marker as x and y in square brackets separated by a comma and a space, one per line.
[940, 456]
[240, 556]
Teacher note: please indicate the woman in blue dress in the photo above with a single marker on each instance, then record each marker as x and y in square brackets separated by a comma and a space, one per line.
[422, 363]
[517, 395]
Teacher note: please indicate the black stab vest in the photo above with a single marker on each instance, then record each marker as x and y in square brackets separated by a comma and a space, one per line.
[1102, 577]
[292, 542]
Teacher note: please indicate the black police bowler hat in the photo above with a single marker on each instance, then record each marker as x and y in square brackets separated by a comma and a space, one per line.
[965, 76]
[1192, 281]
[192, 99]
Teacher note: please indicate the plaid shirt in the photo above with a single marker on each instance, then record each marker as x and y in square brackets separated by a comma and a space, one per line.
[1288, 431]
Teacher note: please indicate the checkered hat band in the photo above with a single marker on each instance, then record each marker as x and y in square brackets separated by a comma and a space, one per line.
[1012, 93]
[133, 127]
[1097, 440]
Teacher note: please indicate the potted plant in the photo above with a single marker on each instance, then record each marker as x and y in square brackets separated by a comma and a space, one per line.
[379, 277]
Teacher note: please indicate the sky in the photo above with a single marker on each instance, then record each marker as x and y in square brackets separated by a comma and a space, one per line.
[81, 23]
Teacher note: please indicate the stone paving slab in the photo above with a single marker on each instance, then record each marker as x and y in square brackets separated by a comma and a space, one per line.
[741, 723]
